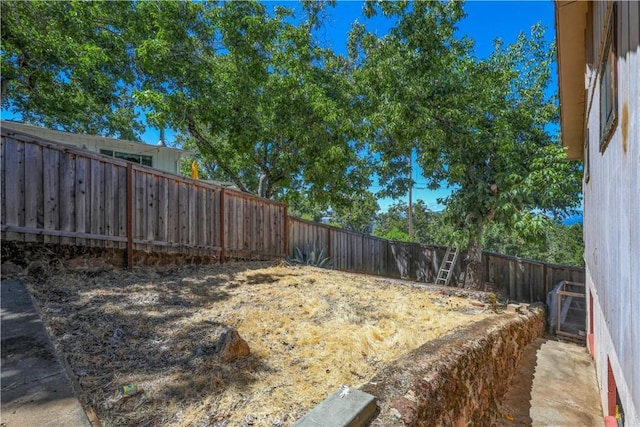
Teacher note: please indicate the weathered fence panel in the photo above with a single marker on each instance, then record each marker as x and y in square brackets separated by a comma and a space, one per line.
[525, 280]
[360, 253]
[374, 255]
[53, 193]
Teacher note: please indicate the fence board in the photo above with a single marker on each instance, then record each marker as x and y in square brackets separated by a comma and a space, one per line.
[67, 195]
[139, 211]
[201, 216]
[122, 204]
[82, 204]
[14, 180]
[173, 216]
[183, 217]
[163, 209]
[152, 207]
[33, 194]
[51, 191]
[110, 202]
[192, 217]
[97, 212]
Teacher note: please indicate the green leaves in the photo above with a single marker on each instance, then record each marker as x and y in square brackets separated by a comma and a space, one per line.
[65, 65]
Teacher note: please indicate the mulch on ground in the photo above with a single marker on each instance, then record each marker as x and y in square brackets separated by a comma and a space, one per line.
[310, 331]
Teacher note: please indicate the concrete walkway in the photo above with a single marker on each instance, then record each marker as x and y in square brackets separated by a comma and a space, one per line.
[555, 385]
[35, 389]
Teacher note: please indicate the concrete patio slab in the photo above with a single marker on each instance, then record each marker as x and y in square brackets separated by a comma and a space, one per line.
[35, 389]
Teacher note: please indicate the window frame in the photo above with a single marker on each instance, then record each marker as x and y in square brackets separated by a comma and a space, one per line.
[608, 72]
[140, 159]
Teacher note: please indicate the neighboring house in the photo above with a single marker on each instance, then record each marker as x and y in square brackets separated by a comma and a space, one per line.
[599, 79]
[156, 156]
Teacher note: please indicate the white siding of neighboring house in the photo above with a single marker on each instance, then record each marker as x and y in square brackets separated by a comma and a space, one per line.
[612, 212]
[165, 159]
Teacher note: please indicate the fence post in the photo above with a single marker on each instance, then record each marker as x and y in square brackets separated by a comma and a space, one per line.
[222, 215]
[286, 231]
[129, 216]
[329, 242]
[362, 253]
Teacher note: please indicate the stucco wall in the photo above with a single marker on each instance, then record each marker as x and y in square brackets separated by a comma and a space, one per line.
[457, 379]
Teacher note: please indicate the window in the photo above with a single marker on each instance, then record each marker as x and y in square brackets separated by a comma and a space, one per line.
[609, 83]
[136, 158]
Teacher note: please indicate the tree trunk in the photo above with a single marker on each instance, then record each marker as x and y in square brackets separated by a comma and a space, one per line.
[473, 272]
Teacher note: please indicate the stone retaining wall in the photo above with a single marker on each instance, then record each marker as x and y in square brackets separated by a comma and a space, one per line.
[32, 258]
[458, 379]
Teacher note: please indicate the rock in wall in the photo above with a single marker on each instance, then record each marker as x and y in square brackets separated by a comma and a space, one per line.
[457, 379]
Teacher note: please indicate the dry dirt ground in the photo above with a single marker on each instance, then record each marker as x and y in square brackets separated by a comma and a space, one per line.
[310, 331]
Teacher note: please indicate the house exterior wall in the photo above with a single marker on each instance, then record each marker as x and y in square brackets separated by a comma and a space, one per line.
[612, 210]
[165, 159]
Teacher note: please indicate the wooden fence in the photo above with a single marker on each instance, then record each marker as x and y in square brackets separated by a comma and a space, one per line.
[53, 193]
[525, 280]
[361, 253]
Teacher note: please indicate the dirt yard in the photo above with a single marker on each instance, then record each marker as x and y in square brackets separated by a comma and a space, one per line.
[309, 330]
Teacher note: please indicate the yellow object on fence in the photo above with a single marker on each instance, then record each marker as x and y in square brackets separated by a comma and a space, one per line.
[194, 170]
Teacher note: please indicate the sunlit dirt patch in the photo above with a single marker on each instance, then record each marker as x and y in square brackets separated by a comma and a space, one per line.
[310, 331]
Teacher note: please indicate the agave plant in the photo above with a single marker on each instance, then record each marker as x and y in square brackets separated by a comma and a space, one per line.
[311, 255]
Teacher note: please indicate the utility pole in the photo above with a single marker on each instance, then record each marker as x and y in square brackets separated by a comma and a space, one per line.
[410, 215]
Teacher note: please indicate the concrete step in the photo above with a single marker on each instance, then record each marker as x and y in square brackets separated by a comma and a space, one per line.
[347, 407]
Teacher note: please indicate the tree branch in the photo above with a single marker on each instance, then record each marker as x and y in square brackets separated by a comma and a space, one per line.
[197, 134]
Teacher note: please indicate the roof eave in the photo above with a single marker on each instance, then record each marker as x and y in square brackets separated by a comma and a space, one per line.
[570, 23]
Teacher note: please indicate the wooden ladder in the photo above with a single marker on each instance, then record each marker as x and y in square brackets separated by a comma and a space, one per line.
[446, 268]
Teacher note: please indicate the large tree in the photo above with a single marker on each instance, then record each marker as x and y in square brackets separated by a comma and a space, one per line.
[260, 99]
[67, 65]
[482, 127]
[500, 155]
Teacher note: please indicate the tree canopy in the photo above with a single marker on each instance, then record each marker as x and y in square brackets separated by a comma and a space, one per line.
[481, 127]
[67, 65]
